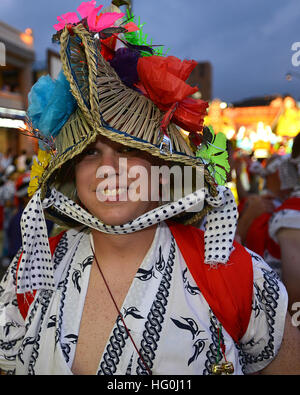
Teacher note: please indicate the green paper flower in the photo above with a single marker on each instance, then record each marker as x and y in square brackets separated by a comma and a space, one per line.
[214, 153]
[140, 38]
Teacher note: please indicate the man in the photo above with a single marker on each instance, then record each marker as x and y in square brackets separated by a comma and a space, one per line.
[124, 290]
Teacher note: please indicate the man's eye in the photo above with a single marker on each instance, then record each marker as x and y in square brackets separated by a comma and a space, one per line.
[91, 152]
[126, 150]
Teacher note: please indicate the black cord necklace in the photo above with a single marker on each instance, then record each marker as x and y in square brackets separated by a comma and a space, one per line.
[120, 314]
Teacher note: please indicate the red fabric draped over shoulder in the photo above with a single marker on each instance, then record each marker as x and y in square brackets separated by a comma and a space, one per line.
[227, 289]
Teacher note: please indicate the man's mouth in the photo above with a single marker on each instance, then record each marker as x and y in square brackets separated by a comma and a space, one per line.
[114, 192]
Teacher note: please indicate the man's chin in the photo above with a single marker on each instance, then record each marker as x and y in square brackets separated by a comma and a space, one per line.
[115, 220]
[117, 215]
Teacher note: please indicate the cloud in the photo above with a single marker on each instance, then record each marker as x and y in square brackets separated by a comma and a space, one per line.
[5, 4]
[248, 42]
[286, 15]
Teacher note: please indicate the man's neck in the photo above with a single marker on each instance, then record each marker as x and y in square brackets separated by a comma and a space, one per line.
[128, 249]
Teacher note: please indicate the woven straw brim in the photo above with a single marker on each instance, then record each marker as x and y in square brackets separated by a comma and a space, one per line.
[76, 137]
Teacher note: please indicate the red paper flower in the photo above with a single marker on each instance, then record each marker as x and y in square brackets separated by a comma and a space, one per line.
[195, 139]
[162, 79]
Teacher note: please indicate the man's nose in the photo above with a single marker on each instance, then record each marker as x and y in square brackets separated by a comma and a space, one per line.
[110, 159]
[113, 163]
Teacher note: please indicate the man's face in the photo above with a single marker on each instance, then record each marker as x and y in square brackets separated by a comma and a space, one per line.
[108, 183]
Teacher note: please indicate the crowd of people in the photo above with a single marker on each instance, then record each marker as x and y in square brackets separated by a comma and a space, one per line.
[269, 214]
[14, 182]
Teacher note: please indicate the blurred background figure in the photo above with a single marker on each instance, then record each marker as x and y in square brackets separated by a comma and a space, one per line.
[269, 222]
[14, 236]
[7, 195]
[21, 161]
[257, 204]
[5, 160]
[284, 227]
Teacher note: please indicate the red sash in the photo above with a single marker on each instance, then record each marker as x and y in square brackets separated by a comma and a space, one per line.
[292, 203]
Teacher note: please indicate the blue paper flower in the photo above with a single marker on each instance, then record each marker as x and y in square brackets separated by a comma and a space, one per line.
[50, 104]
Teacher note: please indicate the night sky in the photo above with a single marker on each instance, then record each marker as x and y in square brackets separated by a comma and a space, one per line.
[248, 42]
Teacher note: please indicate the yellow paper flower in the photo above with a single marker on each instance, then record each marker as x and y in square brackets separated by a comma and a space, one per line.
[38, 167]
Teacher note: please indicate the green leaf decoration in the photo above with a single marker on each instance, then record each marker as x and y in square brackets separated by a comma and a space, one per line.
[215, 154]
[141, 38]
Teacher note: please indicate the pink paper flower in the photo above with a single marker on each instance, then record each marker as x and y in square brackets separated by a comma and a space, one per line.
[86, 8]
[95, 22]
[69, 17]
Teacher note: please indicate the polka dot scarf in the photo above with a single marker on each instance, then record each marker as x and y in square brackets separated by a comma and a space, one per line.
[36, 270]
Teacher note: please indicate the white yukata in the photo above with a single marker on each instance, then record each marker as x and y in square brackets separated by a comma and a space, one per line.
[171, 323]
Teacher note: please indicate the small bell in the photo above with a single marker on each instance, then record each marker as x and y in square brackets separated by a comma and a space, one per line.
[228, 367]
[166, 146]
[216, 369]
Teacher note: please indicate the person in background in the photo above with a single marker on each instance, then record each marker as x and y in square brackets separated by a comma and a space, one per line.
[7, 195]
[21, 161]
[14, 234]
[6, 160]
[254, 205]
[284, 229]
[270, 223]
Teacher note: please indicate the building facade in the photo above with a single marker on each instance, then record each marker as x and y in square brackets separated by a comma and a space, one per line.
[16, 78]
[202, 77]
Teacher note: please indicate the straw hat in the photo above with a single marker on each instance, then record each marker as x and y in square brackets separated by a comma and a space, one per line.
[129, 94]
